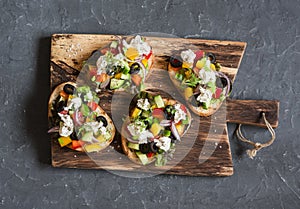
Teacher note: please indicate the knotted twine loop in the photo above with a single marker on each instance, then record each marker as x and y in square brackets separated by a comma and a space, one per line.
[257, 146]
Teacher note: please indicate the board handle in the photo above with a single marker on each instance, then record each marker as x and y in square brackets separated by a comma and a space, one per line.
[249, 112]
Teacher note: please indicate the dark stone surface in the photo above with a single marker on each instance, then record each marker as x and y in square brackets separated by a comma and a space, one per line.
[269, 70]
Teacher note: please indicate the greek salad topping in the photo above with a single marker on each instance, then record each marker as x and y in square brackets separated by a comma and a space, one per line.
[200, 78]
[155, 124]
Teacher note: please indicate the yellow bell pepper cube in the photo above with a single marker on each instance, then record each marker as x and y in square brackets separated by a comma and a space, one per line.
[136, 112]
[188, 92]
[63, 140]
[132, 53]
[92, 147]
[155, 129]
[118, 75]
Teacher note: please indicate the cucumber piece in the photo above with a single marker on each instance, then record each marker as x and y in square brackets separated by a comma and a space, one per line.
[85, 110]
[114, 44]
[126, 68]
[186, 121]
[159, 101]
[146, 114]
[167, 133]
[206, 105]
[133, 146]
[87, 137]
[116, 83]
[125, 76]
[179, 76]
[143, 158]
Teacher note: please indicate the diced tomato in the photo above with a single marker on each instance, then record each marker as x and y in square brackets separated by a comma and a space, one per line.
[114, 51]
[77, 144]
[199, 55]
[93, 71]
[136, 79]
[176, 68]
[64, 95]
[183, 108]
[64, 112]
[150, 154]
[218, 93]
[148, 55]
[92, 105]
[104, 50]
[102, 77]
[158, 113]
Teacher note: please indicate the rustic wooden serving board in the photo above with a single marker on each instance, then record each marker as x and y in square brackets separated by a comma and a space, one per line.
[204, 152]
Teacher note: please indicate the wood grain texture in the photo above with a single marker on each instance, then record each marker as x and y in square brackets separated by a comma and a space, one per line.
[250, 112]
[204, 150]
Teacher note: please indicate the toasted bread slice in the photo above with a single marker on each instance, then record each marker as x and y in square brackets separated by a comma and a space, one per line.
[110, 125]
[197, 110]
[124, 142]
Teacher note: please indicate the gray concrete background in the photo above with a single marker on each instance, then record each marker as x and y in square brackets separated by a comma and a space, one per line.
[269, 70]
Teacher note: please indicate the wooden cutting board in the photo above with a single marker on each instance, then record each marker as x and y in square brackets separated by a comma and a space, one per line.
[204, 150]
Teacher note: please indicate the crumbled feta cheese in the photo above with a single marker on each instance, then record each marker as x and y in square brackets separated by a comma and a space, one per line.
[95, 126]
[207, 76]
[136, 128]
[188, 56]
[205, 95]
[144, 136]
[76, 102]
[179, 114]
[140, 45]
[89, 96]
[163, 143]
[101, 64]
[143, 104]
[66, 128]
[119, 56]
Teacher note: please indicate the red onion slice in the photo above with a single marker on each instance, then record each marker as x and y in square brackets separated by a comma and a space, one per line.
[132, 140]
[54, 129]
[105, 83]
[175, 132]
[228, 82]
[76, 118]
[144, 70]
[165, 123]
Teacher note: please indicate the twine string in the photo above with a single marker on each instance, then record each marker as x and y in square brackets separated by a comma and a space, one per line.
[257, 146]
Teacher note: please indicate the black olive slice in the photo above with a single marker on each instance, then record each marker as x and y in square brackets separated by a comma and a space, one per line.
[175, 61]
[102, 119]
[69, 89]
[73, 136]
[60, 106]
[212, 57]
[135, 68]
[110, 72]
[219, 82]
[224, 82]
[153, 147]
[144, 148]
